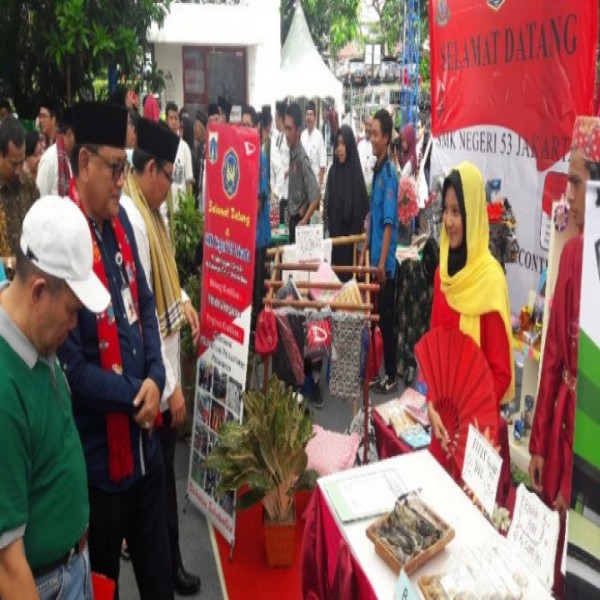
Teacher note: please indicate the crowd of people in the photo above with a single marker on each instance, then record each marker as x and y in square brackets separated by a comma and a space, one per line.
[90, 321]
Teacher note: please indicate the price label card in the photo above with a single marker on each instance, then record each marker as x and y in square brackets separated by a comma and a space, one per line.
[481, 469]
[309, 242]
[405, 589]
[235, 117]
[534, 534]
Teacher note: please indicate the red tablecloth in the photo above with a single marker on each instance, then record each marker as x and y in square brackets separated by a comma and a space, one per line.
[388, 444]
[329, 569]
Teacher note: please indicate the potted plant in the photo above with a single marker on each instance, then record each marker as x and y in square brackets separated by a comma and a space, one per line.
[264, 460]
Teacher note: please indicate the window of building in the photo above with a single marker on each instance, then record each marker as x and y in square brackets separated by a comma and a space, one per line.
[210, 72]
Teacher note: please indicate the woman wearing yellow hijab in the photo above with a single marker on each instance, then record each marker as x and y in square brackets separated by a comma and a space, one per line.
[470, 291]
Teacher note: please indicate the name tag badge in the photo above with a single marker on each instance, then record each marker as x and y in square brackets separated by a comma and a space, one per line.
[129, 305]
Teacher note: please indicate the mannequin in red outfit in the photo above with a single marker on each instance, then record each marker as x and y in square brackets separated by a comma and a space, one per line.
[551, 443]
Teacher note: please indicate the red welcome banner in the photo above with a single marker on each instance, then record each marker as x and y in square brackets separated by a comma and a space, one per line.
[508, 78]
[230, 212]
[527, 65]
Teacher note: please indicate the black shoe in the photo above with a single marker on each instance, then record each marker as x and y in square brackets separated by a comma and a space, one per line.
[184, 583]
[376, 382]
[316, 397]
[386, 385]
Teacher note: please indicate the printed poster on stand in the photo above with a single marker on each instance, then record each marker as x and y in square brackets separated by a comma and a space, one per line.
[507, 81]
[583, 533]
[226, 305]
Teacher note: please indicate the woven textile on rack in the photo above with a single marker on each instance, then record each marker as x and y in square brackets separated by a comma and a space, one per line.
[345, 366]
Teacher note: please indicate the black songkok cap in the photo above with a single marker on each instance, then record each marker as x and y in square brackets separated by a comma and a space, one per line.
[156, 140]
[213, 109]
[280, 107]
[100, 124]
[200, 116]
[224, 105]
[311, 106]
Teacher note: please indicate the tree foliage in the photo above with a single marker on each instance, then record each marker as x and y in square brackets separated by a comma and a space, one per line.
[57, 47]
[332, 23]
[391, 21]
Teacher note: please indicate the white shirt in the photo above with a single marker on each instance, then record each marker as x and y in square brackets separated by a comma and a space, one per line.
[367, 160]
[182, 172]
[280, 164]
[169, 346]
[47, 175]
[314, 146]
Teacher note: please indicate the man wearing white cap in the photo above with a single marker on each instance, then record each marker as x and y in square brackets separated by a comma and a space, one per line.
[44, 508]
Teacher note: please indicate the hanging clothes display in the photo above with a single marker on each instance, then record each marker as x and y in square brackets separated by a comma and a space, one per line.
[346, 332]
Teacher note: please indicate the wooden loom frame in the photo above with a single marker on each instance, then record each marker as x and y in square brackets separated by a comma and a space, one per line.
[275, 282]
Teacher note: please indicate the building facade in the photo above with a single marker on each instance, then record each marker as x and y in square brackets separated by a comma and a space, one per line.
[215, 48]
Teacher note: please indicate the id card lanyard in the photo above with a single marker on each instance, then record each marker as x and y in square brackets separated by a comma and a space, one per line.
[127, 296]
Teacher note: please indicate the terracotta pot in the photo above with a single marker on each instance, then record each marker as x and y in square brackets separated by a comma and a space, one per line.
[280, 540]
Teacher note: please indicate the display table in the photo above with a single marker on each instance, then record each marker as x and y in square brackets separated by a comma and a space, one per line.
[339, 561]
[388, 444]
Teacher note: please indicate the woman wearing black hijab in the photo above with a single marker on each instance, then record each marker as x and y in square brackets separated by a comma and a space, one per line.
[346, 200]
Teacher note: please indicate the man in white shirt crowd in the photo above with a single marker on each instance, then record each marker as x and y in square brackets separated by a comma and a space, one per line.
[54, 171]
[365, 152]
[183, 176]
[314, 145]
[280, 161]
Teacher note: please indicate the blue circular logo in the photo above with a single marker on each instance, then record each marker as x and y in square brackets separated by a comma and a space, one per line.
[231, 173]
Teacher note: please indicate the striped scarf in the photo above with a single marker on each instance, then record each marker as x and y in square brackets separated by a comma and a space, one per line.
[165, 280]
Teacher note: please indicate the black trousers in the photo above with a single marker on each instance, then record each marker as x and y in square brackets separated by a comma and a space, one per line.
[139, 516]
[386, 302]
[168, 440]
[294, 220]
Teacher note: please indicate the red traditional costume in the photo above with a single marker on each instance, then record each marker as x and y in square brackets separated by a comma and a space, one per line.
[554, 421]
[552, 432]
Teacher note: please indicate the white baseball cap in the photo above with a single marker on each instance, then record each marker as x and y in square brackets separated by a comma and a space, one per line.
[57, 239]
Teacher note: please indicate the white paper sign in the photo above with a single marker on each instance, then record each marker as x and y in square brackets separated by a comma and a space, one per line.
[534, 534]
[405, 589]
[309, 242]
[235, 117]
[481, 469]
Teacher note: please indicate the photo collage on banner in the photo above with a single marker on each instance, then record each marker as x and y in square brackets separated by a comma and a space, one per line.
[583, 548]
[507, 81]
[226, 306]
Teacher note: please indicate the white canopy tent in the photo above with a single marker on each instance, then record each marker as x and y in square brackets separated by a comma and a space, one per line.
[303, 72]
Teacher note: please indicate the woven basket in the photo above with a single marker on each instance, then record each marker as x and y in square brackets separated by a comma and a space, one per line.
[384, 550]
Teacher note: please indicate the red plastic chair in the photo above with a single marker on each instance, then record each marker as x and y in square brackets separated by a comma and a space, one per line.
[104, 588]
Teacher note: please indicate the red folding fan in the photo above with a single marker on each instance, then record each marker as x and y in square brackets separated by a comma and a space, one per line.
[460, 385]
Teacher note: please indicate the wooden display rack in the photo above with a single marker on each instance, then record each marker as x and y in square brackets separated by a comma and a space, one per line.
[370, 289]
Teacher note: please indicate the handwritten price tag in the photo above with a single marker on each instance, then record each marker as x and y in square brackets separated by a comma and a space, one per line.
[481, 469]
[534, 534]
[309, 242]
[405, 589]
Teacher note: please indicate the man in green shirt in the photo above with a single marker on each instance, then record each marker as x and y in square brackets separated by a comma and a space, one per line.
[44, 506]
